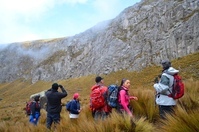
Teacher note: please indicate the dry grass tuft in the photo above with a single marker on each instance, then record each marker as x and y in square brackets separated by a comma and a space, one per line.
[181, 121]
[145, 106]
[13, 96]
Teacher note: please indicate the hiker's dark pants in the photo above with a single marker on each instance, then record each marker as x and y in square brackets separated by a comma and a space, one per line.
[100, 115]
[52, 117]
[165, 109]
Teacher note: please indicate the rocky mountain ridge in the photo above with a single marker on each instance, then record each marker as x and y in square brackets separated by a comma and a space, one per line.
[141, 35]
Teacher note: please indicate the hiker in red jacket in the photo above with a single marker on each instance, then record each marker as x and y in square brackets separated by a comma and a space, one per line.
[98, 105]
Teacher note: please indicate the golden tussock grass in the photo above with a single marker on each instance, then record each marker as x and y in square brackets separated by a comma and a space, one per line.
[146, 118]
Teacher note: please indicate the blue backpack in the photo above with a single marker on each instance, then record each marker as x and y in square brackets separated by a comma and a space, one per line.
[112, 98]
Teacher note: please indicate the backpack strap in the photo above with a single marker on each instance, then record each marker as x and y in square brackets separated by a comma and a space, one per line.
[119, 106]
[113, 90]
[173, 85]
[124, 90]
[171, 79]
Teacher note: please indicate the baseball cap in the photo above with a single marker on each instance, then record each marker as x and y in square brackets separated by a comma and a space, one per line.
[98, 79]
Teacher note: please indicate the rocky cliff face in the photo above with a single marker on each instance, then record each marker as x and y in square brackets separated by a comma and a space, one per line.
[141, 35]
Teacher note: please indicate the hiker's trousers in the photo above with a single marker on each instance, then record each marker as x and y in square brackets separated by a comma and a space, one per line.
[31, 119]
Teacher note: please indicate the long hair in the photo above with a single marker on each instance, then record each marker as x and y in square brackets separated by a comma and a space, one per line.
[122, 82]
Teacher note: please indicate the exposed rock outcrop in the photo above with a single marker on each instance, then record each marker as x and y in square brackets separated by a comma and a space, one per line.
[141, 35]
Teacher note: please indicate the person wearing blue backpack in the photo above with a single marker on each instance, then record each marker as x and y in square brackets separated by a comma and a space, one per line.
[73, 107]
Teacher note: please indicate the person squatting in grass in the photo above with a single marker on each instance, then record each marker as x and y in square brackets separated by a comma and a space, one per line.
[165, 103]
[74, 107]
[124, 98]
[54, 105]
[35, 110]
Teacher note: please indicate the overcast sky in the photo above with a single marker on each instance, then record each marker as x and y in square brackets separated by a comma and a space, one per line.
[24, 20]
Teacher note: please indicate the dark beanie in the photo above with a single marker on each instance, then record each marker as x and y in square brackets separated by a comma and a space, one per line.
[166, 64]
[55, 86]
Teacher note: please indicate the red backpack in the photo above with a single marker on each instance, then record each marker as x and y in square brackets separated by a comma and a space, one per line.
[178, 88]
[97, 99]
[28, 105]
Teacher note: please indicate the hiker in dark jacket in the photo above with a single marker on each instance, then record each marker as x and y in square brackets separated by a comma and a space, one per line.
[35, 111]
[75, 107]
[54, 105]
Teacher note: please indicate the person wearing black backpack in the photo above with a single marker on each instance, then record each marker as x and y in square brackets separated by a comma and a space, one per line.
[35, 110]
[163, 89]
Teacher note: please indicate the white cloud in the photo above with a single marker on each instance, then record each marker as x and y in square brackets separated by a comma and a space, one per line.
[20, 19]
[17, 32]
[107, 8]
[25, 7]
[15, 16]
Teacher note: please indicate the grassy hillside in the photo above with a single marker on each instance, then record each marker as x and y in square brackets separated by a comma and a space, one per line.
[14, 95]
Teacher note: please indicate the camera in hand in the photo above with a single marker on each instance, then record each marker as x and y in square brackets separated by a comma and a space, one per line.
[60, 86]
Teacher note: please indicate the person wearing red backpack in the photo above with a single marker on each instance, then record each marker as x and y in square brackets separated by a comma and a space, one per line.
[35, 110]
[163, 89]
[98, 104]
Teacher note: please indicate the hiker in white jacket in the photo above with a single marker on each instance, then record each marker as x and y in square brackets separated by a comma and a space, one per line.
[163, 88]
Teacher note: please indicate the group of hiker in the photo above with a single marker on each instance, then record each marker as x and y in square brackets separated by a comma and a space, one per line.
[164, 99]
[123, 99]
